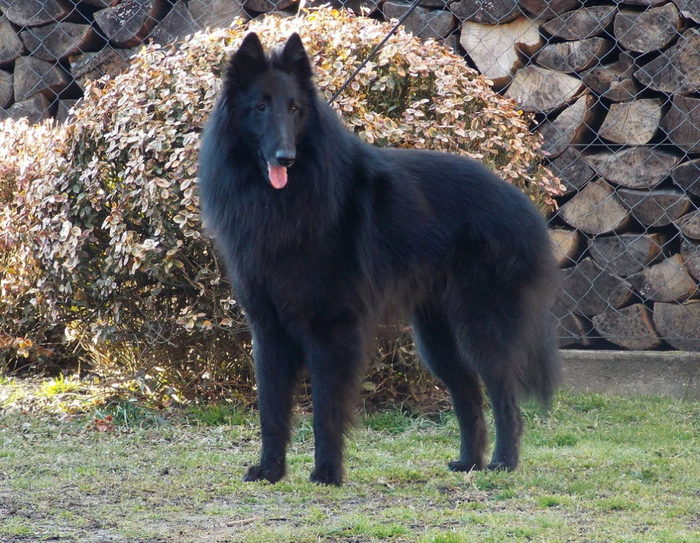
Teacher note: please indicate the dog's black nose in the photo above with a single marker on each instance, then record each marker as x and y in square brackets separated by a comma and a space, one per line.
[285, 158]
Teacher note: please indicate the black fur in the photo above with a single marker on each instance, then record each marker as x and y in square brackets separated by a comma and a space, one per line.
[357, 227]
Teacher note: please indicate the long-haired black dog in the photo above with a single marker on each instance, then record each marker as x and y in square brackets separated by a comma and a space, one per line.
[320, 232]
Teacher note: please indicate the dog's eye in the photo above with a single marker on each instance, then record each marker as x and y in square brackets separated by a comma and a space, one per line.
[293, 108]
[261, 107]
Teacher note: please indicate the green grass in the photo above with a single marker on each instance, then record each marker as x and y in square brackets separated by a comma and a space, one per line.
[60, 385]
[595, 469]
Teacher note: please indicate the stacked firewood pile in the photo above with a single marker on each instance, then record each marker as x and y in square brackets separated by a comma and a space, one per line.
[615, 87]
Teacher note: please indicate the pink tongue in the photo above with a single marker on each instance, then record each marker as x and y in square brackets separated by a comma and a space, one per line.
[278, 176]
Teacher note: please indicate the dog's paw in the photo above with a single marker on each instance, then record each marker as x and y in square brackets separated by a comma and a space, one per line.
[500, 465]
[327, 474]
[261, 473]
[459, 465]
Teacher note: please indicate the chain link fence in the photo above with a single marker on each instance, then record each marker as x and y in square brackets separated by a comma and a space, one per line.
[614, 86]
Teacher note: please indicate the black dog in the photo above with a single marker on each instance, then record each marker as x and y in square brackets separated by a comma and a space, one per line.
[320, 231]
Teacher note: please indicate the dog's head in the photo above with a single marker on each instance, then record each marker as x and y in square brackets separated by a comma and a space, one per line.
[270, 96]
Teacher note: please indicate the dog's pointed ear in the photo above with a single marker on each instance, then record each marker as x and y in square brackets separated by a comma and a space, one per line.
[248, 61]
[294, 57]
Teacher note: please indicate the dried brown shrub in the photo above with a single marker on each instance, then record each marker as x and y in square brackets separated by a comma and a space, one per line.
[105, 210]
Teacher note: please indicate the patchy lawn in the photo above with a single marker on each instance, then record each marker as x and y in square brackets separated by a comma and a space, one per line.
[595, 469]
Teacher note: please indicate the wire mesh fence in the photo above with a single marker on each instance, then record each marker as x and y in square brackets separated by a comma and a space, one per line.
[614, 88]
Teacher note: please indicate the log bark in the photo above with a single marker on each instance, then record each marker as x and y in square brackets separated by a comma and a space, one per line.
[687, 176]
[108, 61]
[6, 85]
[674, 71]
[492, 13]
[569, 127]
[649, 30]
[547, 9]
[582, 23]
[630, 327]
[538, 89]
[595, 210]
[682, 122]
[589, 290]
[690, 251]
[214, 13]
[679, 324]
[101, 3]
[626, 254]
[494, 49]
[634, 167]
[614, 81]
[565, 244]
[177, 24]
[655, 208]
[36, 12]
[572, 329]
[59, 40]
[690, 9]
[574, 56]
[423, 22]
[689, 224]
[632, 123]
[129, 22]
[266, 6]
[572, 169]
[11, 47]
[63, 109]
[33, 75]
[35, 109]
[667, 281]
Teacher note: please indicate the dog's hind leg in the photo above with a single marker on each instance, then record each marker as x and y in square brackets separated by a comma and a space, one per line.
[489, 336]
[438, 350]
[508, 421]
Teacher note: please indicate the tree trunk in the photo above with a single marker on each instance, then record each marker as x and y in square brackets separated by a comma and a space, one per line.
[574, 56]
[626, 254]
[595, 210]
[649, 30]
[129, 22]
[590, 290]
[658, 207]
[682, 122]
[582, 23]
[5, 88]
[423, 22]
[490, 13]
[36, 12]
[689, 224]
[565, 244]
[674, 71]
[572, 169]
[687, 176]
[569, 127]
[33, 75]
[541, 90]
[614, 81]
[690, 251]
[630, 327]
[59, 40]
[635, 167]
[667, 281]
[632, 123]
[11, 47]
[494, 49]
[679, 324]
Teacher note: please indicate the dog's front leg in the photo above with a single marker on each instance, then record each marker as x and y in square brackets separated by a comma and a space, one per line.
[277, 367]
[335, 361]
